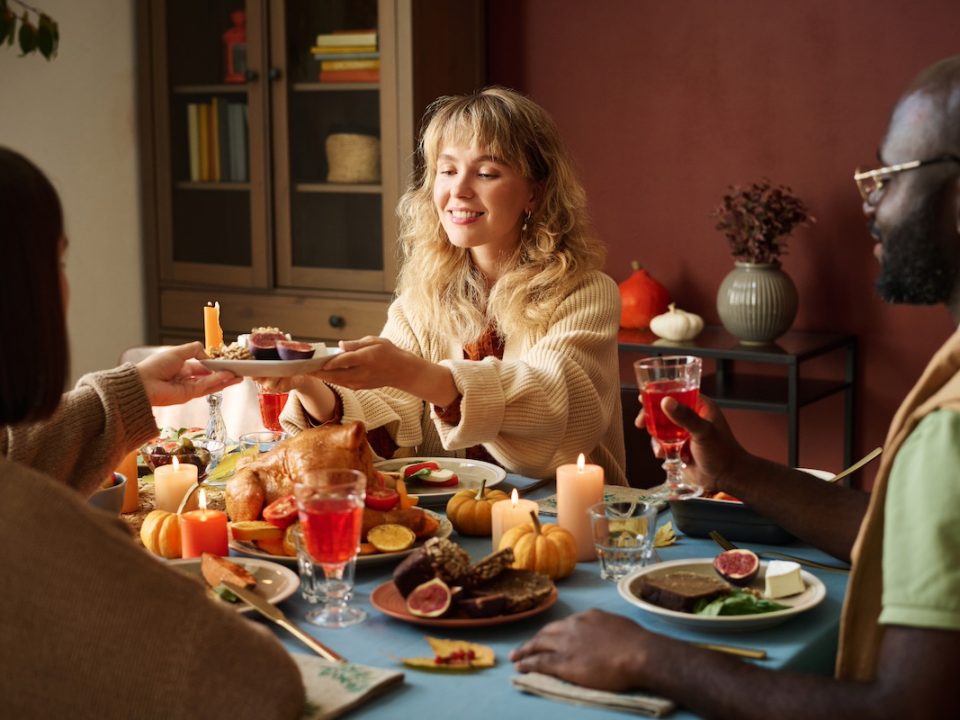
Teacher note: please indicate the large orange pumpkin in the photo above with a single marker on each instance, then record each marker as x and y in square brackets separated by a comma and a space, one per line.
[641, 299]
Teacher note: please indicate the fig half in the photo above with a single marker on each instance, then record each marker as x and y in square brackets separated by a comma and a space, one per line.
[430, 600]
[264, 345]
[737, 566]
[293, 350]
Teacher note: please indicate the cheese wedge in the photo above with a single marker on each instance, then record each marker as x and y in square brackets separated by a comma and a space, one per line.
[782, 579]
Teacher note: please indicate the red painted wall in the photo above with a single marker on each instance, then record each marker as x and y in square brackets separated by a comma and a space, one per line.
[664, 104]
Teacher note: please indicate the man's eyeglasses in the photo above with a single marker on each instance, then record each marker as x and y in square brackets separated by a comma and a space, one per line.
[870, 183]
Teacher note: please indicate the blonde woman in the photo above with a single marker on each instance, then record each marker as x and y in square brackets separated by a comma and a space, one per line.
[502, 341]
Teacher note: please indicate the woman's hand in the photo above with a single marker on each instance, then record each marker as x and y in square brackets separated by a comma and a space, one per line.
[712, 452]
[594, 649]
[174, 376]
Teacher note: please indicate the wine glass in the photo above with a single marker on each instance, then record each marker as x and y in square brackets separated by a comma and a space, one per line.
[676, 376]
[271, 405]
[330, 502]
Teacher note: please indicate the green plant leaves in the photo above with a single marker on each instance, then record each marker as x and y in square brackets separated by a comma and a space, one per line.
[41, 35]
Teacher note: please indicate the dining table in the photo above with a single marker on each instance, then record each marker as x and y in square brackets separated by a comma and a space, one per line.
[806, 642]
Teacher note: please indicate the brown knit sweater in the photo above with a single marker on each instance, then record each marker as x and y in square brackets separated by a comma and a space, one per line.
[91, 626]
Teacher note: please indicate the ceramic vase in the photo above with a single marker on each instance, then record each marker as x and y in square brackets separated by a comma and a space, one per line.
[757, 302]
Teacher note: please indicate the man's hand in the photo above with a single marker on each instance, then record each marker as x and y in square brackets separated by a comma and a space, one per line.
[174, 376]
[594, 649]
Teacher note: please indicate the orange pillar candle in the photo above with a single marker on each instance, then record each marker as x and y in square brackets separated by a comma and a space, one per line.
[506, 514]
[131, 494]
[578, 487]
[212, 333]
[203, 531]
[171, 483]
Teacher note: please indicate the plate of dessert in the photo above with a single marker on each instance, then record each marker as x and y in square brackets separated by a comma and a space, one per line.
[439, 586]
[691, 593]
[274, 368]
[273, 582]
[434, 480]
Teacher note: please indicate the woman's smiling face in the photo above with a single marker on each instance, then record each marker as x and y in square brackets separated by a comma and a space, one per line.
[481, 201]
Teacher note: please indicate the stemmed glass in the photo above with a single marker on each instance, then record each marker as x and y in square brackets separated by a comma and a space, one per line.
[676, 376]
[330, 503]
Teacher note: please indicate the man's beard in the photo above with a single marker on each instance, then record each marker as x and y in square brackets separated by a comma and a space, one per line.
[914, 268]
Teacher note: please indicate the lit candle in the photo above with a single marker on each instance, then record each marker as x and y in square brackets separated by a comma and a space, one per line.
[506, 514]
[171, 483]
[212, 333]
[203, 531]
[578, 487]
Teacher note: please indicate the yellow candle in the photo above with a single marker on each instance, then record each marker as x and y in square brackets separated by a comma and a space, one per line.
[510, 513]
[171, 483]
[203, 531]
[212, 333]
[578, 487]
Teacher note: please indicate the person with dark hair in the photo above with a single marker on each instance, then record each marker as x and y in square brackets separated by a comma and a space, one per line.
[93, 626]
[899, 652]
[502, 341]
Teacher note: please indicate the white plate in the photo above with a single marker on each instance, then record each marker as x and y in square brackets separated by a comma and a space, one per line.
[248, 548]
[275, 583]
[471, 473]
[811, 597]
[272, 368]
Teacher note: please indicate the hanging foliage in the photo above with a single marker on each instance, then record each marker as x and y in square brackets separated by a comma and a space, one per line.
[33, 30]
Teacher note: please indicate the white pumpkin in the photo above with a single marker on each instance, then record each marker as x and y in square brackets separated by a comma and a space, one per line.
[676, 325]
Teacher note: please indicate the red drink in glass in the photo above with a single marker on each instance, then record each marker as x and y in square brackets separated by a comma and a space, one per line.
[271, 405]
[331, 530]
[657, 423]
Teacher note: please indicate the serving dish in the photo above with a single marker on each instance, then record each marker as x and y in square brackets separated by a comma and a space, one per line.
[248, 548]
[629, 589]
[275, 583]
[472, 473]
[388, 600]
[734, 520]
[273, 368]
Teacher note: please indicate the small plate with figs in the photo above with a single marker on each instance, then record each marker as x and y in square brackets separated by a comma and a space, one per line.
[439, 586]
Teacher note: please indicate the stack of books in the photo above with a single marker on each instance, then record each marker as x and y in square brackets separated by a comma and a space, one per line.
[348, 56]
[217, 137]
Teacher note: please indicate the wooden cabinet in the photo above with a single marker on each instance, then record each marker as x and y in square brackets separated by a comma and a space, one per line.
[245, 200]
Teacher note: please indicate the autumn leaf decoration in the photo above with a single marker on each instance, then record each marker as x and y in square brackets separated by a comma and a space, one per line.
[33, 30]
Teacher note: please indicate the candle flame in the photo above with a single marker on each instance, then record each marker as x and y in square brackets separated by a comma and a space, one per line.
[176, 465]
[514, 497]
[202, 499]
[581, 462]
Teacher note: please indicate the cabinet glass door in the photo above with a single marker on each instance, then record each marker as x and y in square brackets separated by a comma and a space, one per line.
[334, 184]
[210, 163]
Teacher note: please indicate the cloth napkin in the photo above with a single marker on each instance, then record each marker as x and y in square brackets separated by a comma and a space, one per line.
[555, 689]
[334, 688]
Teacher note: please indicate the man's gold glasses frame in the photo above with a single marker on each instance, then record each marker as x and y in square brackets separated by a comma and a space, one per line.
[870, 183]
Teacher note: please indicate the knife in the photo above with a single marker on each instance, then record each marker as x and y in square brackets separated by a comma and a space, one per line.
[274, 613]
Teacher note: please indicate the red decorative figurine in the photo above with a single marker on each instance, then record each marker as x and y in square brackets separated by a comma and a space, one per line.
[235, 47]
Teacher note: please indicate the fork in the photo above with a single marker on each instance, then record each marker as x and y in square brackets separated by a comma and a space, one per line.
[772, 554]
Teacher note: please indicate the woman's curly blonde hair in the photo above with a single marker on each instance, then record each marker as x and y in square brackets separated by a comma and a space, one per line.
[555, 251]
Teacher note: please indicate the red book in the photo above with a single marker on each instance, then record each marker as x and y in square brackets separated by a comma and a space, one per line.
[349, 76]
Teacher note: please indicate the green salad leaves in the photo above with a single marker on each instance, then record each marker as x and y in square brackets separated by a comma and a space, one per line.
[738, 602]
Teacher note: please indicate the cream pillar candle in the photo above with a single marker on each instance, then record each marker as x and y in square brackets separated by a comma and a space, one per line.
[578, 487]
[506, 514]
[171, 483]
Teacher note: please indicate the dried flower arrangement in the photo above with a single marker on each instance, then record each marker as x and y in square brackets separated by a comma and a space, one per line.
[757, 220]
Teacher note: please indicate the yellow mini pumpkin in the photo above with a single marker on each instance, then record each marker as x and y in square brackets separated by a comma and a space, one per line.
[547, 549]
[160, 533]
[469, 511]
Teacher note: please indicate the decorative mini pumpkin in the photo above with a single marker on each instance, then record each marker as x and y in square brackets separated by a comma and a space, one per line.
[470, 511]
[676, 324]
[641, 298]
[160, 533]
[547, 549]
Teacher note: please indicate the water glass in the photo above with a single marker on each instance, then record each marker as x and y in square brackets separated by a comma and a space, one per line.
[254, 443]
[623, 534]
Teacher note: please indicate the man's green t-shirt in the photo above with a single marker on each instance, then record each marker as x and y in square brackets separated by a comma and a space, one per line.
[921, 539]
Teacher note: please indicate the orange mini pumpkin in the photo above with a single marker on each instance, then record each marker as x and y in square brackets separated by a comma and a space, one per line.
[546, 549]
[641, 299]
[160, 533]
[470, 512]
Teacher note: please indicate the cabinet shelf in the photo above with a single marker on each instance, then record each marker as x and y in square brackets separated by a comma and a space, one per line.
[212, 185]
[334, 87]
[221, 89]
[338, 188]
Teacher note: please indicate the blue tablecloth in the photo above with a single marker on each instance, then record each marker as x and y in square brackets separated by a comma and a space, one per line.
[804, 643]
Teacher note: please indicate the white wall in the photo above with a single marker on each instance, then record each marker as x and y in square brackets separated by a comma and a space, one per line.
[75, 117]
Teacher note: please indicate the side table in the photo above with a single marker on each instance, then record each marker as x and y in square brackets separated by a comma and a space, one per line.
[762, 393]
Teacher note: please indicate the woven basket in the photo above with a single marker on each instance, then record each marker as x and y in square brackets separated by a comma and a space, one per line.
[353, 158]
